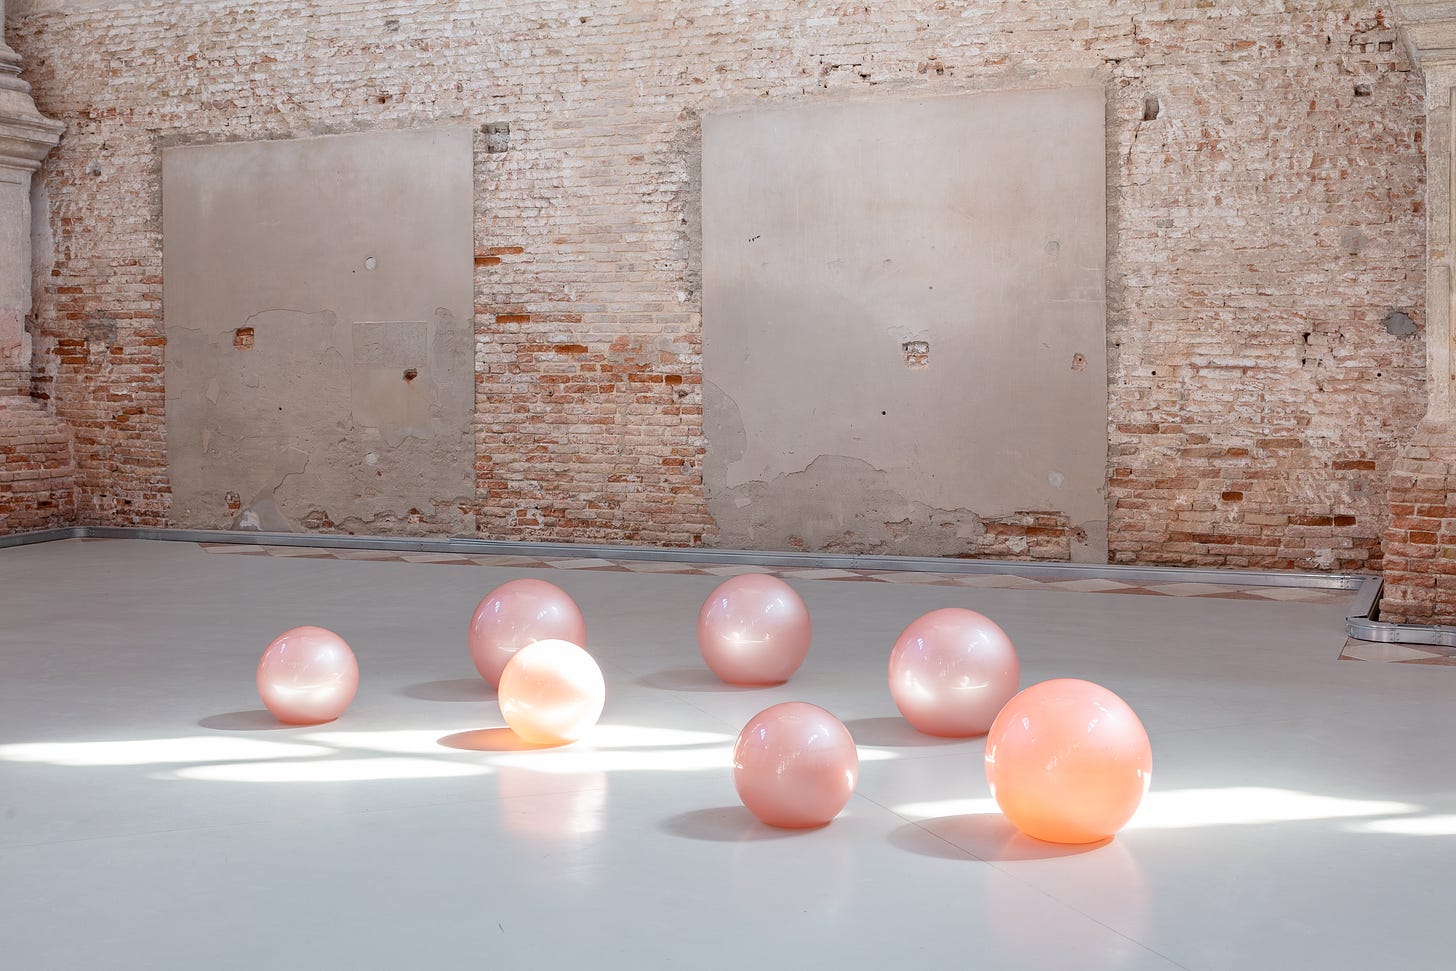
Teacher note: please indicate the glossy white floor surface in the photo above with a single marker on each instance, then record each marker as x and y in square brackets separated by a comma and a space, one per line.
[1302, 815]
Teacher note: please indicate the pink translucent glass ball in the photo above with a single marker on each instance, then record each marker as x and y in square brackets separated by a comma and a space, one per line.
[307, 675]
[951, 672]
[795, 765]
[1068, 761]
[552, 692]
[518, 613]
[754, 629]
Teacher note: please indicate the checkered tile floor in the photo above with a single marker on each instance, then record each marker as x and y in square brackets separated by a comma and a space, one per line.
[1398, 653]
[997, 580]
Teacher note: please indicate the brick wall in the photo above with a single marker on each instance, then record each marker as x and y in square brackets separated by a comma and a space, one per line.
[37, 479]
[1265, 191]
[1420, 540]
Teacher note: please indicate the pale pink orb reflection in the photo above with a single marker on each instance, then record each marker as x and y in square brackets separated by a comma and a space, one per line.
[795, 765]
[754, 629]
[951, 672]
[518, 613]
[552, 692]
[1068, 761]
[308, 675]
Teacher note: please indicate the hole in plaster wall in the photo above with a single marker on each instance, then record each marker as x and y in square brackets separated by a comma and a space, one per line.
[243, 339]
[370, 263]
[410, 374]
[1079, 362]
[1152, 107]
[917, 353]
[1363, 90]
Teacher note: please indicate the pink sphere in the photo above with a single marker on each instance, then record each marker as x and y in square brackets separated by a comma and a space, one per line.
[518, 613]
[795, 765]
[951, 672]
[1068, 761]
[307, 675]
[551, 692]
[754, 629]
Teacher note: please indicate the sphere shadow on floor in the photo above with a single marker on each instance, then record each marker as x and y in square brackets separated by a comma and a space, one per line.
[692, 679]
[252, 720]
[894, 731]
[491, 740]
[724, 824]
[984, 836]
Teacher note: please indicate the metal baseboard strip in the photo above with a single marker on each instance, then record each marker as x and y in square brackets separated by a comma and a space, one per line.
[42, 536]
[1360, 625]
[330, 541]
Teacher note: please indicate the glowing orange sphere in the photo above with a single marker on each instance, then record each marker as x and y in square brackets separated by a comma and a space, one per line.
[1068, 761]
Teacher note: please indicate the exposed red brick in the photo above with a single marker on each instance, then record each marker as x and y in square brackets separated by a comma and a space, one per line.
[1246, 355]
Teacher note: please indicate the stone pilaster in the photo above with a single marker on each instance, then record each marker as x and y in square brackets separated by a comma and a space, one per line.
[37, 476]
[1420, 541]
[25, 138]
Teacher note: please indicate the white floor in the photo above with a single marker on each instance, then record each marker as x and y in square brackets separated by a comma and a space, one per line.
[1303, 812]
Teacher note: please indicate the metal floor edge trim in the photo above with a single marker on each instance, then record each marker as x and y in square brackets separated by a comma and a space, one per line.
[1359, 625]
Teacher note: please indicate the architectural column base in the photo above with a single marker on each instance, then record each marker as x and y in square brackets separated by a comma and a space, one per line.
[1420, 540]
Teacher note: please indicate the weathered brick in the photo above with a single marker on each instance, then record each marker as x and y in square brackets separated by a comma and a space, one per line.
[1246, 354]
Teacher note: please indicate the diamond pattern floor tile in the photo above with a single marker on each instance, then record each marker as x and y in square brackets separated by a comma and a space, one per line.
[1371, 651]
[1089, 586]
[1190, 589]
[1288, 594]
[965, 580]
[999, 581]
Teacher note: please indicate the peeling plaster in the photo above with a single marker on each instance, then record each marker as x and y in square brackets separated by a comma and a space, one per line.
[879, 281]
[842, 504]
[321, 391]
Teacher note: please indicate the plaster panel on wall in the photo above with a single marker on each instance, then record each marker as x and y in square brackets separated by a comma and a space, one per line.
[318, 299]
[904, 320]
